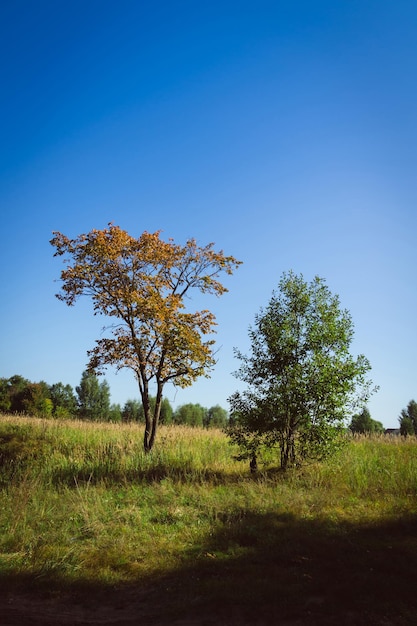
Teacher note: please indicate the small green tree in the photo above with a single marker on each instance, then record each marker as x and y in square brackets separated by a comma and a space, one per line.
[16, 389]
[167, 412]
[104, 401]
[35, 400]
[190, 414]
[406, 426]
[303, 382]
[93, 398]
[408, 419]
[363, 423]
[19, 395]
[63, 400]
[115, 413]
[216, 417]
[132, 411]
[5, 401]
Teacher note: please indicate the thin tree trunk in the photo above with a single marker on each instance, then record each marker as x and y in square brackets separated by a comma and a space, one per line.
[148, 432]
[153, 422]
[287, 450]
[144, 392]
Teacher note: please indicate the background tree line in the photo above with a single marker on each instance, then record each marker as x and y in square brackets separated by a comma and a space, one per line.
[363, 423]
[91, 401]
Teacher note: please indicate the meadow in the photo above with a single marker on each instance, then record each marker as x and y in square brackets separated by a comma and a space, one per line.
[93, 531]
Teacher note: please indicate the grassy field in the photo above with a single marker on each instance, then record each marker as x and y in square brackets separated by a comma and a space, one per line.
[93, 531]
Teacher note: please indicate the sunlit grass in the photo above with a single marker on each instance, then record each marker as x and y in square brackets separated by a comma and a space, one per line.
[82, 501]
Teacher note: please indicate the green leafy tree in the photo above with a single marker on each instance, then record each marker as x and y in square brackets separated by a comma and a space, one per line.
[132, 411]
[115, 413]
[36, 400]
[302, 380]
[406, 426]
[5, 401]
[64, 400]
[167, 412]
[216, 417]
[141, 285]
[16, 386]
[105, 405]
[408, 419]
[93, 398]
[363, 423]
[190, 414]
[19, 395]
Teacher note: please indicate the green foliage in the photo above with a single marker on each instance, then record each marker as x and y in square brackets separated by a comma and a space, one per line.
[93, 398]
[115, 413]
[132, 411]
[63, 400]
[408, 419]
[190, 414]
[5, 400]
[363, 423]
[407, 426]
[36, 401]
[15, 388]
[167, 412]
[196, 415]
[216, 417]
[59, 401]
[302, 379]
[19, 395]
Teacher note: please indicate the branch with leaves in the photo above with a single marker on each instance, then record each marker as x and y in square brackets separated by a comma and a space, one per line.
[142, 283]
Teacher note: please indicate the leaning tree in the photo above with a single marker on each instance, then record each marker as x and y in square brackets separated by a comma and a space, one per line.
[140, 284]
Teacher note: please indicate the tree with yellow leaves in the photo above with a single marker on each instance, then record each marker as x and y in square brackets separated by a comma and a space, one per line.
[142, 283]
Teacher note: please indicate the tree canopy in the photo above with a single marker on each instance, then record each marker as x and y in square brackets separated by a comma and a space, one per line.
[93, 398]
[408, 419]
[141, 285]
[190, 414]
[362, 423]
[302, 381]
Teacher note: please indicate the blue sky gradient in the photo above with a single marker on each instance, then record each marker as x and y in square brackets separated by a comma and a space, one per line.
[283, 131]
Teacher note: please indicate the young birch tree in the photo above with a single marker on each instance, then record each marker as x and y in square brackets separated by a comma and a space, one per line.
[303, 383]
[141, 283]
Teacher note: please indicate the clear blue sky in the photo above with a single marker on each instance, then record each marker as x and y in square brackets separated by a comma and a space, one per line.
[284, 131]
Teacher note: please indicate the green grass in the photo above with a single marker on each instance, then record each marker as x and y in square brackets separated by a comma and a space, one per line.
[85, 513]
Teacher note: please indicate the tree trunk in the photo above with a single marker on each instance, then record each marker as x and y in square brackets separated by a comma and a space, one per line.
[147, 445]
[144, 392]
[151, 422]
[287, 450]
[253, 463]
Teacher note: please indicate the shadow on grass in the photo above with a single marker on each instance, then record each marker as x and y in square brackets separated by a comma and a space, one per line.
[259, 569]
[183, 473]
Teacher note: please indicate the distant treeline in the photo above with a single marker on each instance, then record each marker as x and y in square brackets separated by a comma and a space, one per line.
[363, 423]
[91, 401]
